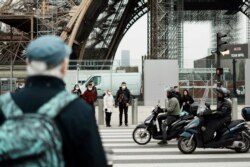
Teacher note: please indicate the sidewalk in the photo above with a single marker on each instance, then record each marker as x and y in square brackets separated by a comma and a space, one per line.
[143, 113]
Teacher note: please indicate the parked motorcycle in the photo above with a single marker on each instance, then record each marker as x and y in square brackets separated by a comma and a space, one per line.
[234, 136]
[143, 132]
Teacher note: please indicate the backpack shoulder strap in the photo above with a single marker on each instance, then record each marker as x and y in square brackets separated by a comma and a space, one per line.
[9, 107]
[56, 104]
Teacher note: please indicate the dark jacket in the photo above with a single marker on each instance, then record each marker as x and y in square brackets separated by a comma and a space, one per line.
[77, 92]
[186, 101]
[89, 96]
[224, 108]
[82, 145]
[178, 96]
[122, 97]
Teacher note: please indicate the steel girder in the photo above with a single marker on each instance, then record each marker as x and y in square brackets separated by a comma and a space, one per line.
[106, 21]
[111, 26]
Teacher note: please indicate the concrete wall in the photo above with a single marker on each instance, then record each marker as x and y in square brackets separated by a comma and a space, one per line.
[159, 74]
[247, 82]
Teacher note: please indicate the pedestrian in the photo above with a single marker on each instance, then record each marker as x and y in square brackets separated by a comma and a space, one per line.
[108, 103]
[122, 100]
[187, 100]
[89, 96]
[19, 87]
[177, 94]
[47, 63]
[93, 87]
[76, 90]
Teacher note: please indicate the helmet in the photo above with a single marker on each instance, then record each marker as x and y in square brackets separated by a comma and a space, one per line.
[224, 91]
[170, 92]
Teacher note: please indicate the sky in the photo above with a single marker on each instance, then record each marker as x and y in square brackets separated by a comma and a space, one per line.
[136, 41]
[197, 41]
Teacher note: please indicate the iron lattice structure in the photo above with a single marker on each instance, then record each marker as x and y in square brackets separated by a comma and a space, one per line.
[166, 26]
[24, 20]
[94, 28]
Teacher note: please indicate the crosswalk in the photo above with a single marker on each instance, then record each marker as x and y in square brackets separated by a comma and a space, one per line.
[129, 154]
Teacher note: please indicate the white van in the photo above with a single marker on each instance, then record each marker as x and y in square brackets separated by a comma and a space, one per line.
[104, 81]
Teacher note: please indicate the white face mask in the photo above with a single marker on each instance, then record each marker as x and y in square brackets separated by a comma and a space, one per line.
[123, 87]
[77, 88]
[109, 93]
[90, 88]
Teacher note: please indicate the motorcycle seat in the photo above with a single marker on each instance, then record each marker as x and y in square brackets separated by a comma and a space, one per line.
[234, 123]
[230, 125]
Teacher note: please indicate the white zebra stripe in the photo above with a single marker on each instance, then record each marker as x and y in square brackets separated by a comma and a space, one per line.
[129, 154]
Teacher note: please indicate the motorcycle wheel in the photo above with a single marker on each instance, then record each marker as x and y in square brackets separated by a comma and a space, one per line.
[141, 136]
[246, 141]
[186, 147]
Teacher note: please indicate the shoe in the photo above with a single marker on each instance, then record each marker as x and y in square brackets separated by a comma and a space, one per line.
[162, 142]
[126, 124]
[120, 124]
[108, 126]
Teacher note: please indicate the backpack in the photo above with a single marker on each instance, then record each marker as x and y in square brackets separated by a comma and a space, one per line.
[32, 139]
[122, 99]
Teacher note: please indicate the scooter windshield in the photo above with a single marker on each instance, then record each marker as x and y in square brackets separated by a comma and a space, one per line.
[148, 119]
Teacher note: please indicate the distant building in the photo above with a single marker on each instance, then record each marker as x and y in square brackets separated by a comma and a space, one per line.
[125, 58]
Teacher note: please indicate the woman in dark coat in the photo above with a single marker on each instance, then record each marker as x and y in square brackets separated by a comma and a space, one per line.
[186, 100]
[77, 90]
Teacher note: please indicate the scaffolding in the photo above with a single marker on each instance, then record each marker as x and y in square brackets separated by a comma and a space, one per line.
[248, 30]
[225, 24]
[162, 31]
[47, 16]
[180, 12]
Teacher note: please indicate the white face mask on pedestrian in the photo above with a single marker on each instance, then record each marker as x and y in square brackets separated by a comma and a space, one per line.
[109, 93]
[123, 87]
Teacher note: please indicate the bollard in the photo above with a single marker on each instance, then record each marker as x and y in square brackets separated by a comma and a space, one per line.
[234, 108]
[134, 111]
[100, 112]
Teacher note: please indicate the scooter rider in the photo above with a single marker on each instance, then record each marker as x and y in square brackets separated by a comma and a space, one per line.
[220, 117]
[171, 114]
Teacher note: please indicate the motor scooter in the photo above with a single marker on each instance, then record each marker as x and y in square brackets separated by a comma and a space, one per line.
[234, 136]
[143, 132]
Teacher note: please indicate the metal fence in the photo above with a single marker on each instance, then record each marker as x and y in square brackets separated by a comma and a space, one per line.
[193, 79]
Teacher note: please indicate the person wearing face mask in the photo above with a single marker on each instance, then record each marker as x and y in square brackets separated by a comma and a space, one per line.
[93, 87]
[89, 96]
[19, 87]
[77, 90]
[122, 100]
[108, 103]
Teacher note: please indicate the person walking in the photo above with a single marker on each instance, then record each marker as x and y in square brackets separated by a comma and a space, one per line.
[76, 90]
[186, 100]
[47, 63]
[122, 100]
[89, 96]
[108, 103]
